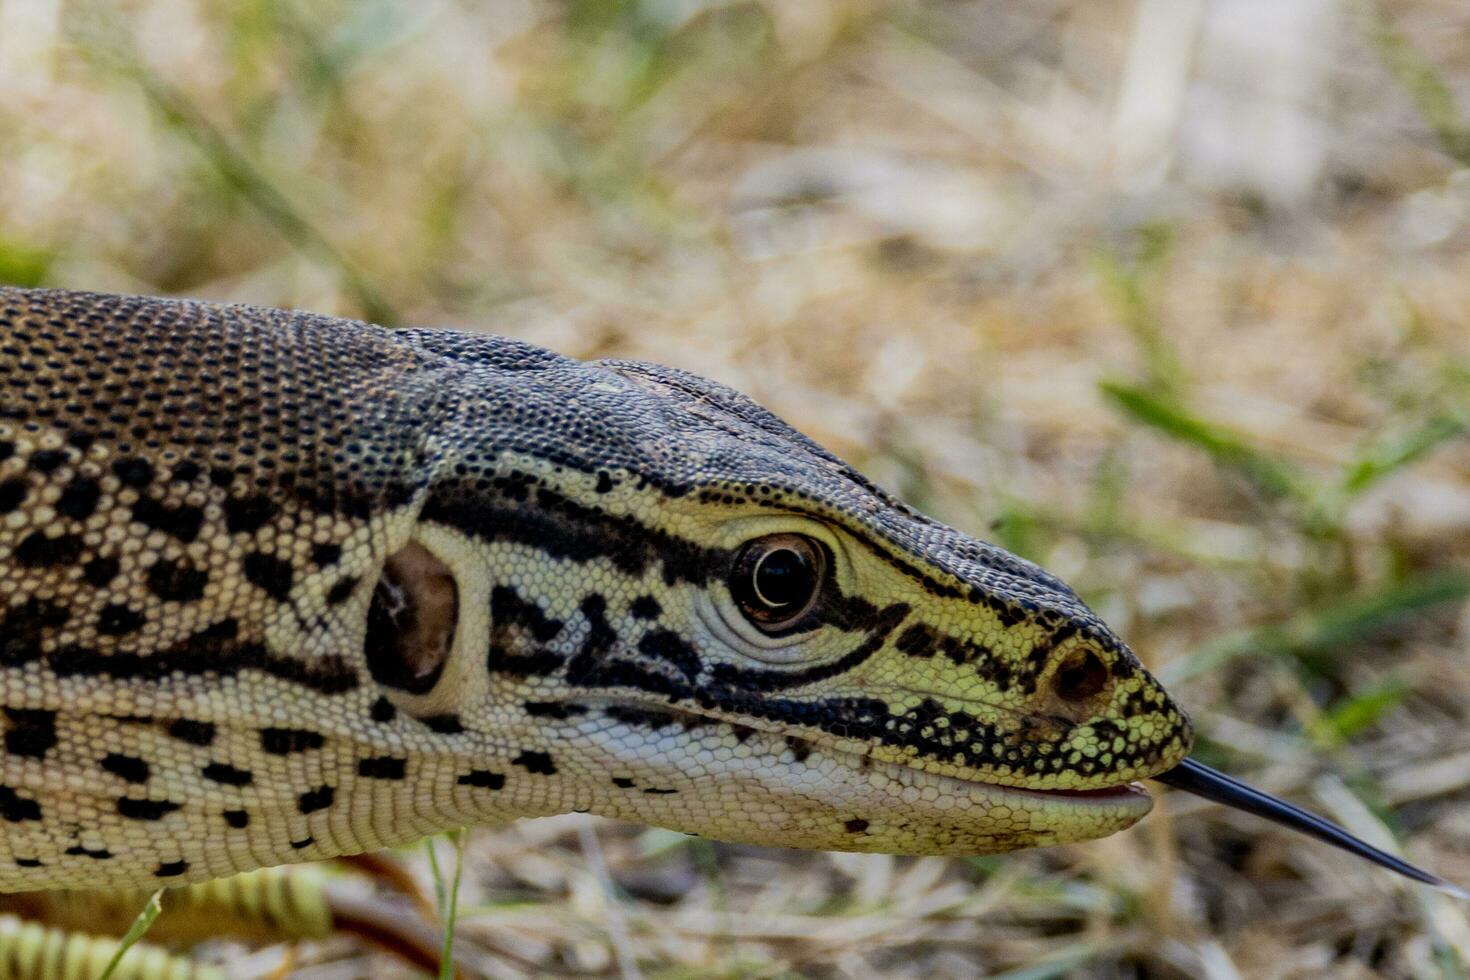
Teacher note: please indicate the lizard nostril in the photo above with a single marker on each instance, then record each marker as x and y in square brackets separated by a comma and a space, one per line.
[411, 622]
[1080, 677]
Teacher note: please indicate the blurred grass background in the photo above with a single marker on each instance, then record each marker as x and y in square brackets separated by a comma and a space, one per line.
[1171, 296]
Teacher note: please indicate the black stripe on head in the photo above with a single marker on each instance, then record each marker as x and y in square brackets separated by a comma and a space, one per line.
[567, 530]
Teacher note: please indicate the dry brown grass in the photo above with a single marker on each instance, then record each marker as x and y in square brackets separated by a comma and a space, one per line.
[1179, 308]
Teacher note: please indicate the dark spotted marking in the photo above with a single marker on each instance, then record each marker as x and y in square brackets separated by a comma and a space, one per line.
[78, 499]
[126, 767]
[39, 550]
[238, 819]
[673, 649]
[81, 439]
[12, 494]
[171, 869]
[645, 607]
[383, 711]
[800, 747]
[482, 778]
[922, 640]
[194, 732]
[246, 515]
[135, 809]
[224, 629]
[553, 709]
[14, 808]
[221, 772]
[32, 732]
[515, 624]
[268, 573]
[539, 663]
[176, 581]
[182, 522]
[23, 626]
[657, 791]
[444, 724]
[134, 472]
[116, 619]
[315, 799]
[284, 741]
[47, 460]
[592, 658]
[305, 842]
[77, 850]
[919, 640]
[323, 555]
[186, 471]
[507, 608]
[535, 762]
[1008, 614]
[622, 782]
[382, 767]
[28, 863]
[99, 572]
[342, 591]
[857, 825]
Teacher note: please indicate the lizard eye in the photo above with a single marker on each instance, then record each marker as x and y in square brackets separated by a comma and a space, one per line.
[776, 579]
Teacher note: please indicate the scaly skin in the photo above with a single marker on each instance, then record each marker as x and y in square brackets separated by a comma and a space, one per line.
[279, 587]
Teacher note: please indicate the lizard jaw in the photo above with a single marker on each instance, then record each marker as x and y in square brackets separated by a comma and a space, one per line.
[823, 796]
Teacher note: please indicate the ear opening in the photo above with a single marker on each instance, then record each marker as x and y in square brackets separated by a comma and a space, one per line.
[412, 620]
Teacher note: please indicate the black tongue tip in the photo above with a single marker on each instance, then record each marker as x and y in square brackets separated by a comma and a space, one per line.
[1201, 780]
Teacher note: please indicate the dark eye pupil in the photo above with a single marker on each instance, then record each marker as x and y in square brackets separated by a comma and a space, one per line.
[784, 578]
[775, 579]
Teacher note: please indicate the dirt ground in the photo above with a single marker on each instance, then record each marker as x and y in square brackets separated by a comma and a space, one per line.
[1172, 297]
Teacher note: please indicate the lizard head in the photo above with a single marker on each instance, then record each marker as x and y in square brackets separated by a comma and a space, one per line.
[605, 587]
[702, 620]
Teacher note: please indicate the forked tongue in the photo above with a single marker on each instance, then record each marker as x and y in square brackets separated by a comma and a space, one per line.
[1201, 780]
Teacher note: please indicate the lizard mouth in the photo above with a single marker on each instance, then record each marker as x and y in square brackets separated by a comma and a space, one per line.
[1105, 793]
[831, 793]
[1130, 797]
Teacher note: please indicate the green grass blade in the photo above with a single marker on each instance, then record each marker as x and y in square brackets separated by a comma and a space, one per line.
[1385, 456]
[447, 898]
[252, 185]
[1132, 283]
[1325, 631]
[141, 925]
[24, 265]
[1353, 714]
[1273, 475]
[1423, 82]
[1316, 635]
[238, 171]
[1064, 962]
